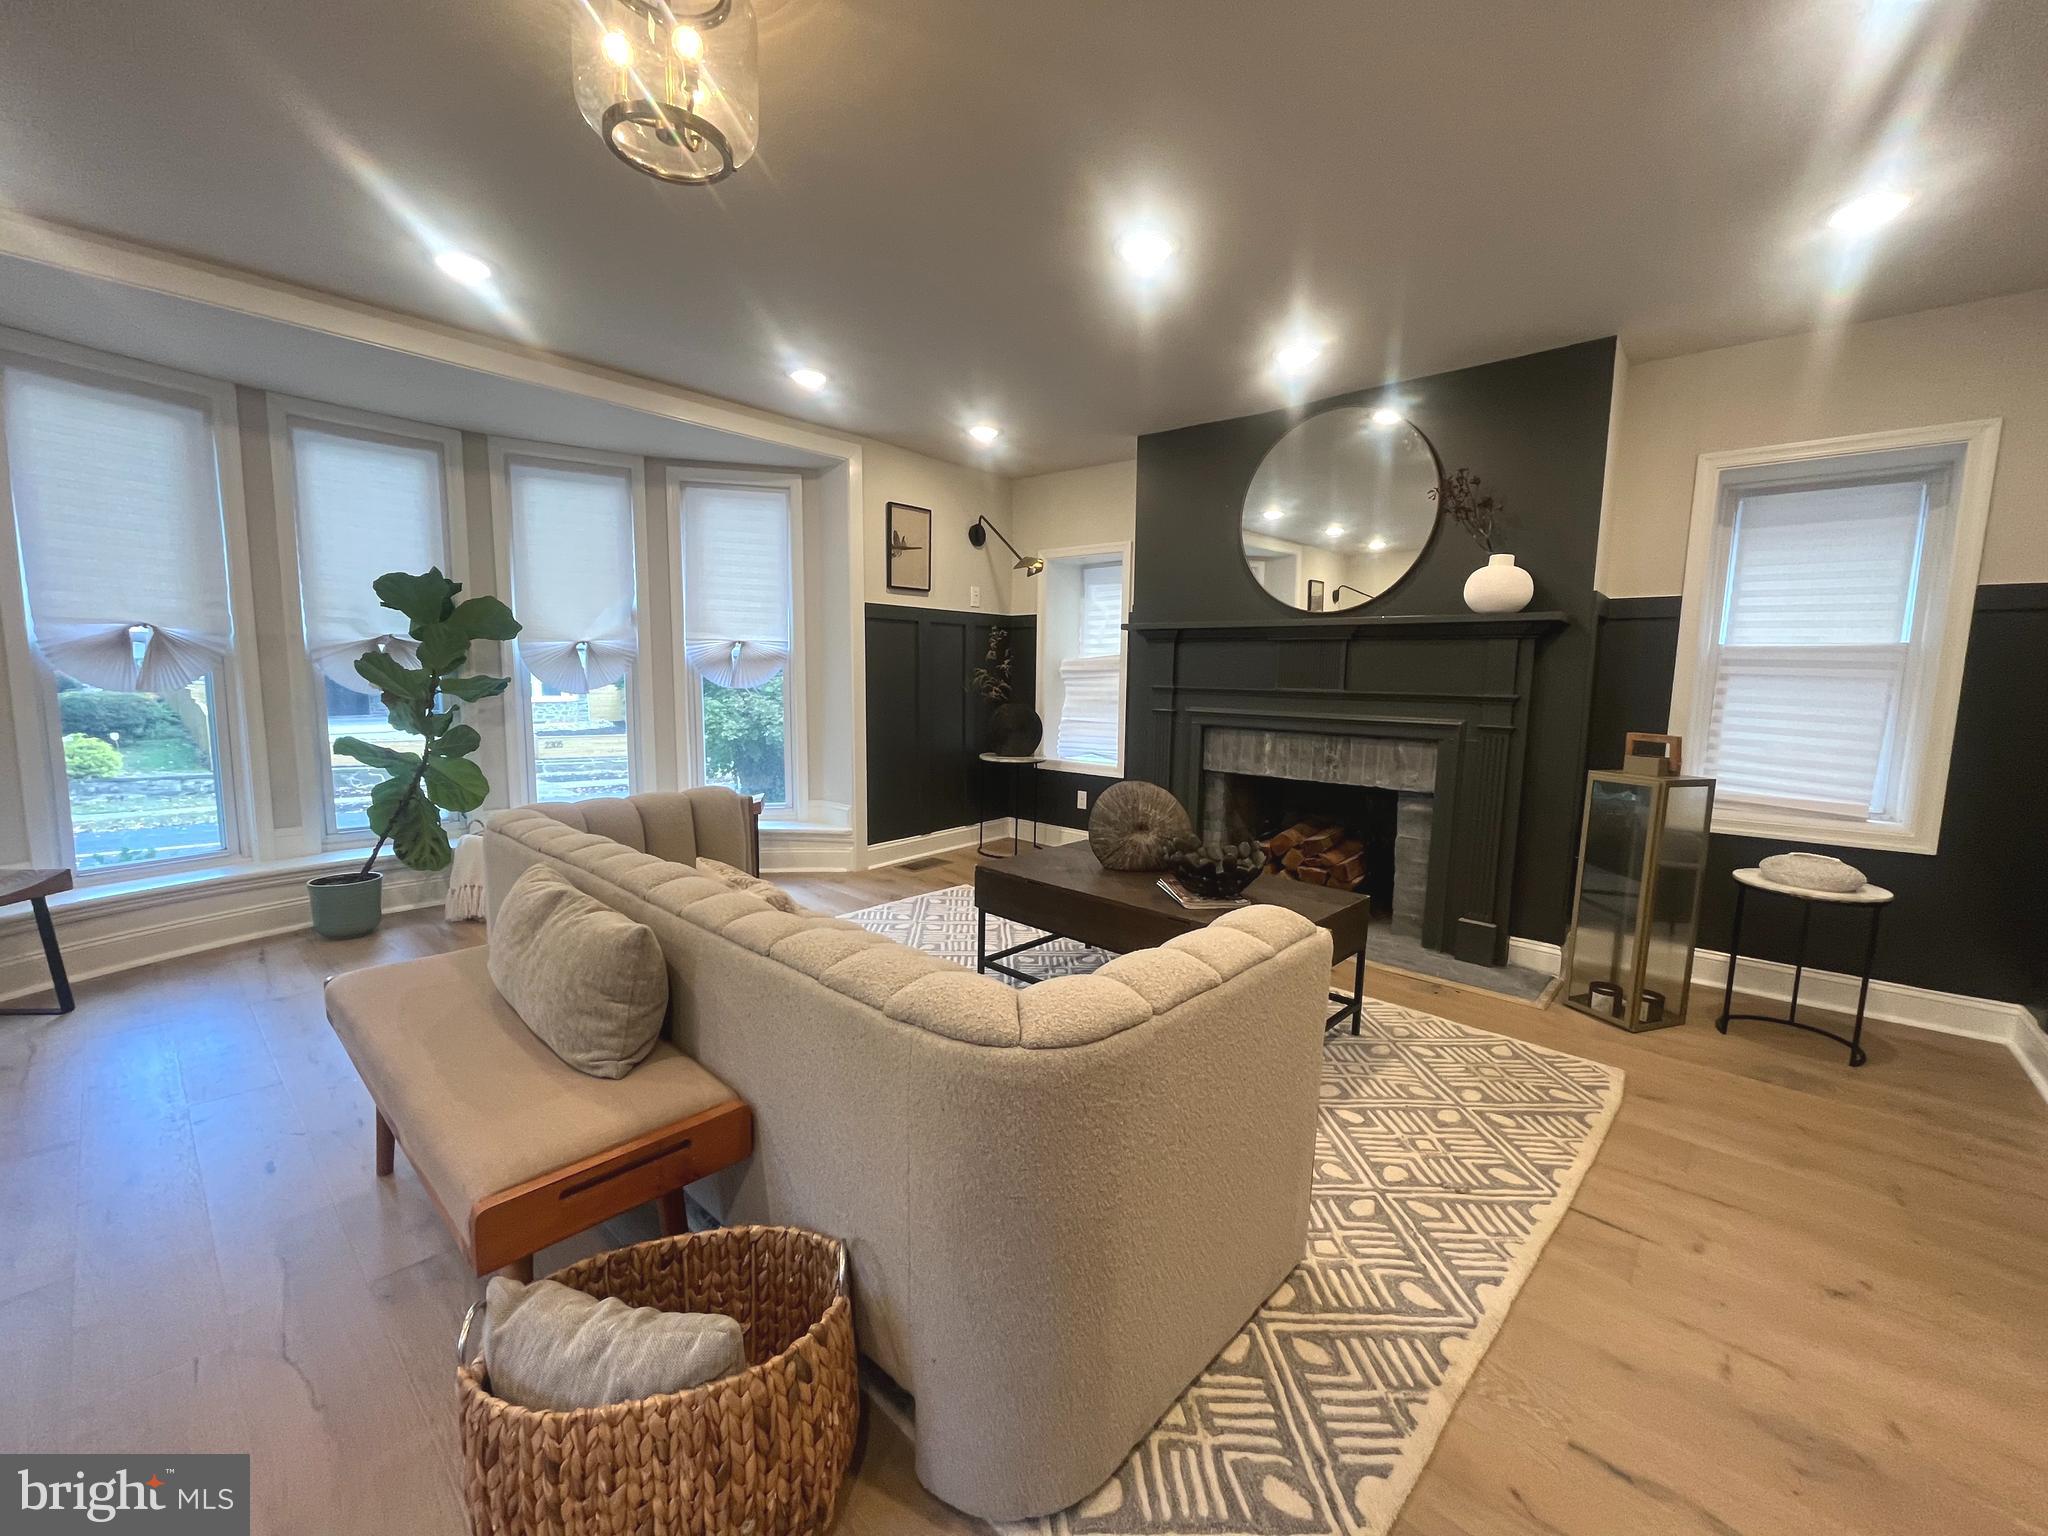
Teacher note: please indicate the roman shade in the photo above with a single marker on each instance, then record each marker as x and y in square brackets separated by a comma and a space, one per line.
[736, 580]
[572, 571]
[368, 503]
[1816, 639]
[1091, 680]
[117, 504]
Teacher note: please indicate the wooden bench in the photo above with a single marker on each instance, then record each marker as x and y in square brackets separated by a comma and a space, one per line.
[517, 1149]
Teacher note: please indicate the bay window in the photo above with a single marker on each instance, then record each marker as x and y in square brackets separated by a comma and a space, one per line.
[742, 710]
[368, 496]
[1827, 607]
[568, 521]
[114, 483]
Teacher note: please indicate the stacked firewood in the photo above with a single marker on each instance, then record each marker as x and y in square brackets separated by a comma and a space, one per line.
[1319, 853]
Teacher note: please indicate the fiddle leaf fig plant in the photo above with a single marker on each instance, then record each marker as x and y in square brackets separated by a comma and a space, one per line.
[425, 701]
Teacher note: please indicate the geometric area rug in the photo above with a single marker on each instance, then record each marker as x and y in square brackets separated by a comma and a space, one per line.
[1445, 1158]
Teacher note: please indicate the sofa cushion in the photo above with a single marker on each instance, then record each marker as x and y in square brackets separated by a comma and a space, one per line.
[1165, 978]
[1075, 1010]
[480, 1104]
[959, 1005]
[588, 981]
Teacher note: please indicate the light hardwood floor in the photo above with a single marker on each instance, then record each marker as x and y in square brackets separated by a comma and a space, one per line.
[1789, 1297]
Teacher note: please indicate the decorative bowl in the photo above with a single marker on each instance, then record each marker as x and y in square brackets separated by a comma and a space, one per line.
[1214, 871]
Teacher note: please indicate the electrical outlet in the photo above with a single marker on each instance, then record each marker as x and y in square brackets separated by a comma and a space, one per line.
[1080, 799]
[974, 597]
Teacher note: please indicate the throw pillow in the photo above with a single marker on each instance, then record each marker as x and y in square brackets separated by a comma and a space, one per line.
[753, 885]
[589, 982]
[552, 1347]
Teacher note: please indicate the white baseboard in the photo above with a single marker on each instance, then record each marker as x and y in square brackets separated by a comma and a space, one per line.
[820, 850]
[1891, 1002]
[949, 839]
[101, 938]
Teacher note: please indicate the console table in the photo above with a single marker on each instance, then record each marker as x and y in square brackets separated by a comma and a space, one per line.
[36, 887]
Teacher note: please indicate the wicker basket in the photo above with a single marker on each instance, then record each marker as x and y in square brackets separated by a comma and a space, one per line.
[763, 1452]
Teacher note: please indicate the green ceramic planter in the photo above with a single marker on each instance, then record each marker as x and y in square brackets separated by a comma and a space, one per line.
[346, 906]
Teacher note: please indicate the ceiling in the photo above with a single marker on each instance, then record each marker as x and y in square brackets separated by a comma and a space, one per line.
[931, 217]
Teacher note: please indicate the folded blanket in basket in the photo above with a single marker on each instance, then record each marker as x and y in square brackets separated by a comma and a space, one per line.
[550, 1346]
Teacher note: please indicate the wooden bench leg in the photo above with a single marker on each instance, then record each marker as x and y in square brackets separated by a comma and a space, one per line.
[520, 1270]
[385, 1142]
[675, 1213]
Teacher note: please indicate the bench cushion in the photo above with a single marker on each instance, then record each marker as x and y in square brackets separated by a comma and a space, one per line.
[478, 1103]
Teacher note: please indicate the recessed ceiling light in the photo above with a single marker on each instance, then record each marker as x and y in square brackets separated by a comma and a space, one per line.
[1873, 210]
[984, 432]
[809, 380]
[1386, 416]
[1147, 251]
[1335, 530]
[1295, 358]
[470, 271]
[1374, 546]
[1273, 514]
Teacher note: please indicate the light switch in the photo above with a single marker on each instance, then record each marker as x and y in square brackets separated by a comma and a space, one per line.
[1080, 799]
[974, 597]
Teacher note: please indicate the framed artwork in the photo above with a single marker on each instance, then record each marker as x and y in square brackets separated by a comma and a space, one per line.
[1315, 596]
[910, 548]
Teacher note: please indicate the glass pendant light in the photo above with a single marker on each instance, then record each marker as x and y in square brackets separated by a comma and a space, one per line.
[672, 86]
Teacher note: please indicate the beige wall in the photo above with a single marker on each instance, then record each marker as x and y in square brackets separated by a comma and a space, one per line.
[956, 496]
[1941, 365]
[1096, 505]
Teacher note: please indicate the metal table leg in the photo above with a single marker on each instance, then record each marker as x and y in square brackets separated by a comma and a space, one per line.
[1734, 953]
[53, 957]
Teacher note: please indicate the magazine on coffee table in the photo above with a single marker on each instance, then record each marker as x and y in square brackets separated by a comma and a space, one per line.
[1194, 903]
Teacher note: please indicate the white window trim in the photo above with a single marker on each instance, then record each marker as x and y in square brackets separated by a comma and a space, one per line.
[1919, 828]
[316, 799]
[689, 695]
[238, 721]
[519, 754]
[1082, 552]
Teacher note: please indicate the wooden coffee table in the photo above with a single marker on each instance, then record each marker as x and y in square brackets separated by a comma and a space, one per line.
[36, 887]
[1071, 896]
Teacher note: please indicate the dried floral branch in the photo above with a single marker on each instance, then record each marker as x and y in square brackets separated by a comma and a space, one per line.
[1478, 512]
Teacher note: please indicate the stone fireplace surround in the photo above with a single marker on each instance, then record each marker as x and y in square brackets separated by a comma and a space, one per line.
[1453, 688]
[1392, 765]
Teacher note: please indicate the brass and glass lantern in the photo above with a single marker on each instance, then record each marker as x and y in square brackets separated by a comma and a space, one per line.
[673, 87]
[1642, 860]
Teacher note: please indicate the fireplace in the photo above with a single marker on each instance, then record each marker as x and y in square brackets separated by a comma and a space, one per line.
[1380, 790]
[1411, 731]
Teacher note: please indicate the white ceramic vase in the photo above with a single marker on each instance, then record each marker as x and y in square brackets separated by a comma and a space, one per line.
[1499, 586]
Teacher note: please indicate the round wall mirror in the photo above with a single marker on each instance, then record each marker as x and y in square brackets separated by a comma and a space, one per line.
[1341, 509]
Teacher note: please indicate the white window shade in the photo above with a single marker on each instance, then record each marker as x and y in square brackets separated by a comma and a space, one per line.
[116, 498]
[1091, 701]
[572, 572]
[1815, 647]
[1102, 610]
[736, 578]
[366, 505]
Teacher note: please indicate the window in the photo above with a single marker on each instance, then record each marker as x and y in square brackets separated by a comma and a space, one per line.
[117, 505]
[367, 499]
[738, 573]
[569, 523]
[1827, 608]
[1082, 603]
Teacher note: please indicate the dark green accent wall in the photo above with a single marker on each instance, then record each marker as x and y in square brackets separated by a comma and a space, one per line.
[1534, 429]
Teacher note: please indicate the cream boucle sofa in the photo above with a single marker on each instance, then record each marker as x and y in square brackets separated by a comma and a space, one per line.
[1061, 1202]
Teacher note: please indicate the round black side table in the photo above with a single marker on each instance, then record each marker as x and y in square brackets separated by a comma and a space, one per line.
[1873, 897]
[1009, 767]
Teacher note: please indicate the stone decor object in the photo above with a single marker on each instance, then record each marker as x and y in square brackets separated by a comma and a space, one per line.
[1499, 586]
[1136, 825]
[1812, 872]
